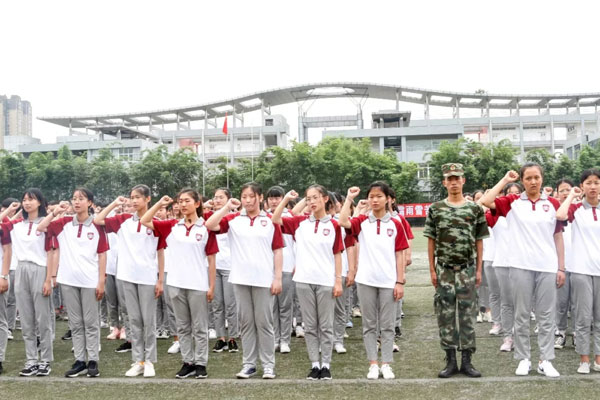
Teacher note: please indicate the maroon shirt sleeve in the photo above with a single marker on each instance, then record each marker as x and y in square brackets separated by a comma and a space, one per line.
[290, 224]
[277, 242]
[338, 243]
[164, 228]
[103, 241]
[401, 243]
[407, 228]
[572, 209]
[224, 224]
[491, 219]
[113, 224]
[560, 225]
[503, 204]
[350, 240]
[355, 224]
[212, 247]
[5, 237]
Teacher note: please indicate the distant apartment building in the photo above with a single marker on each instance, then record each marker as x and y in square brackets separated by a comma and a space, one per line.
[16, 119]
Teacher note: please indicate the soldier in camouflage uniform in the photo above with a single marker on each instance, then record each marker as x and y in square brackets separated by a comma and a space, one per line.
[455, 228]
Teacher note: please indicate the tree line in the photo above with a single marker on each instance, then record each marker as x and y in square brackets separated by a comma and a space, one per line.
[335, 163]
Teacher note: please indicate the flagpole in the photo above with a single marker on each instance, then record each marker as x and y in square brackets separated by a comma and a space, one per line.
[204, 154]
[252, 150]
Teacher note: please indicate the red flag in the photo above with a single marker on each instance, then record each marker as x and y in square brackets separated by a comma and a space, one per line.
[225, 125]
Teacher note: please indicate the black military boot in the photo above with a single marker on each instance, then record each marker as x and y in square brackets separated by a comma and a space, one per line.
[451, 367]
[466, 367]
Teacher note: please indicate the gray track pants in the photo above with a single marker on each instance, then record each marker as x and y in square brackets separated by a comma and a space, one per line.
[116, 309]
[493, 291]
[317, 304]
[541, 286]
[123, 305]
[563, 304]
[3, 324]
[586, 307]
[11, 302]
[340, 314]
[378, 309]
[35, 310]
[283, 305]
[165, 316]
[507, 306]
[82, 308]
[224, 306]
[255, 313]
[141, 308]
[191, 316]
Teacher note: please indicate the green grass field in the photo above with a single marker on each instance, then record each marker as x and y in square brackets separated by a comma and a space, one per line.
[416, 367]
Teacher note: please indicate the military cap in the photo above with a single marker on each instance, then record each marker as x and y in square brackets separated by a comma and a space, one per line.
[452, 169]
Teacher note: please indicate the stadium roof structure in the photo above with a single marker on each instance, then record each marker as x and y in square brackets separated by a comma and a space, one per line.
[302, 93]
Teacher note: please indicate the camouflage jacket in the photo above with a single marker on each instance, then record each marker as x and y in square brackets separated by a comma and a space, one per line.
[455, 231]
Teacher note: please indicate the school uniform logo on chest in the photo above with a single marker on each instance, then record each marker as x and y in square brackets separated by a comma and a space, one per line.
[326, 232]
[390, 232]
[546, 207]
[198, 237]
[263, 222]
[90, 235]
[148, 231]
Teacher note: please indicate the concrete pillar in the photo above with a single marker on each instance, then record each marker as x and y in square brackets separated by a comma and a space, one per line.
[381, 145]
[521, 141]
[552, 145]
[404, 149]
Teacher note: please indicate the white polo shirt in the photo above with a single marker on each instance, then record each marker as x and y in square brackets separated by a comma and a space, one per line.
[379, 240]
[80, 244]
[112, 254]
[188, 249]
[489, 246]
[138, 245]
[13, 259]
[317, 241]
[251, 241]
[223, 257]
[27, 243]
[531, 229]
[585, 239]
[289, 251]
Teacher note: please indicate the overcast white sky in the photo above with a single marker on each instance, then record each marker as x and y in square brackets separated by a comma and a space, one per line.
[92, 57]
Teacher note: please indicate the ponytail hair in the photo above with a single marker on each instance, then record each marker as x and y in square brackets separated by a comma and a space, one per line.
[143, 190]
[330, 196]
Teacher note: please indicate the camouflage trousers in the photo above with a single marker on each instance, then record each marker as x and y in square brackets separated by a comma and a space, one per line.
[455, 303]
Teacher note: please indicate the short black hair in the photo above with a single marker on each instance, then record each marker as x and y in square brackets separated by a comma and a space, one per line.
[35, 193]
[275, 191]
[8, 201]
[584, 175]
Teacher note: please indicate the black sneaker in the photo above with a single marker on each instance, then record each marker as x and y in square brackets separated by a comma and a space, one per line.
[92, 368]
[124, 347]
[186, 371]
[201, 372]
[1, 368]
[325, 374]
[29, 370]
[67, 336]
[77, 368]
[397, 332]
[232, 346]
[44, 369]
[314, 374]
[220, 346]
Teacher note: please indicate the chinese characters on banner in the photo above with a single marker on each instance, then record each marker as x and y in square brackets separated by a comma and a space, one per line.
[417, 210]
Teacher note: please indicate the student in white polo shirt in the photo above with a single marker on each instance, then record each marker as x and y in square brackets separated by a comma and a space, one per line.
[117, 311]
[224, 305]
[585, 265]
[318, 273]
[33, 283]
[81, 274]
[140, 270]
[563, 295]
[5, 256]
[536, 270]
[191, 279]
[256, 261]
[380, 272]
[11, 303]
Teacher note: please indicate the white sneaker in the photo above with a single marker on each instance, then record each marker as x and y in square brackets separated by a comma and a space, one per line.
[536, 330]
[135, 370]
[386, 372]
[373, 372]
[276, 348]
[299, 331]
[487, 316]
[212, 334]
[584, 368]
[10, 335]
[507, 344]
[523, 368]
[114, 333]
[149, 369]
[123, 335]
[339, 348]
[356, 313]
[268, 373]
[396, 349]
[546, 368]
[496, 329]
[103, 325]
[174, 349]
[532, 316]
[596, 367]
[479, 317]
[284, 348]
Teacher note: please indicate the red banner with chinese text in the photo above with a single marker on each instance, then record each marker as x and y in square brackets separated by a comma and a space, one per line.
[414, 210]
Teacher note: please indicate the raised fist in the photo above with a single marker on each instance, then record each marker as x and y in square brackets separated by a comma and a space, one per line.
[233, 204]
[511, 176]
[353, 192]
[291, 195]
[166, 200]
